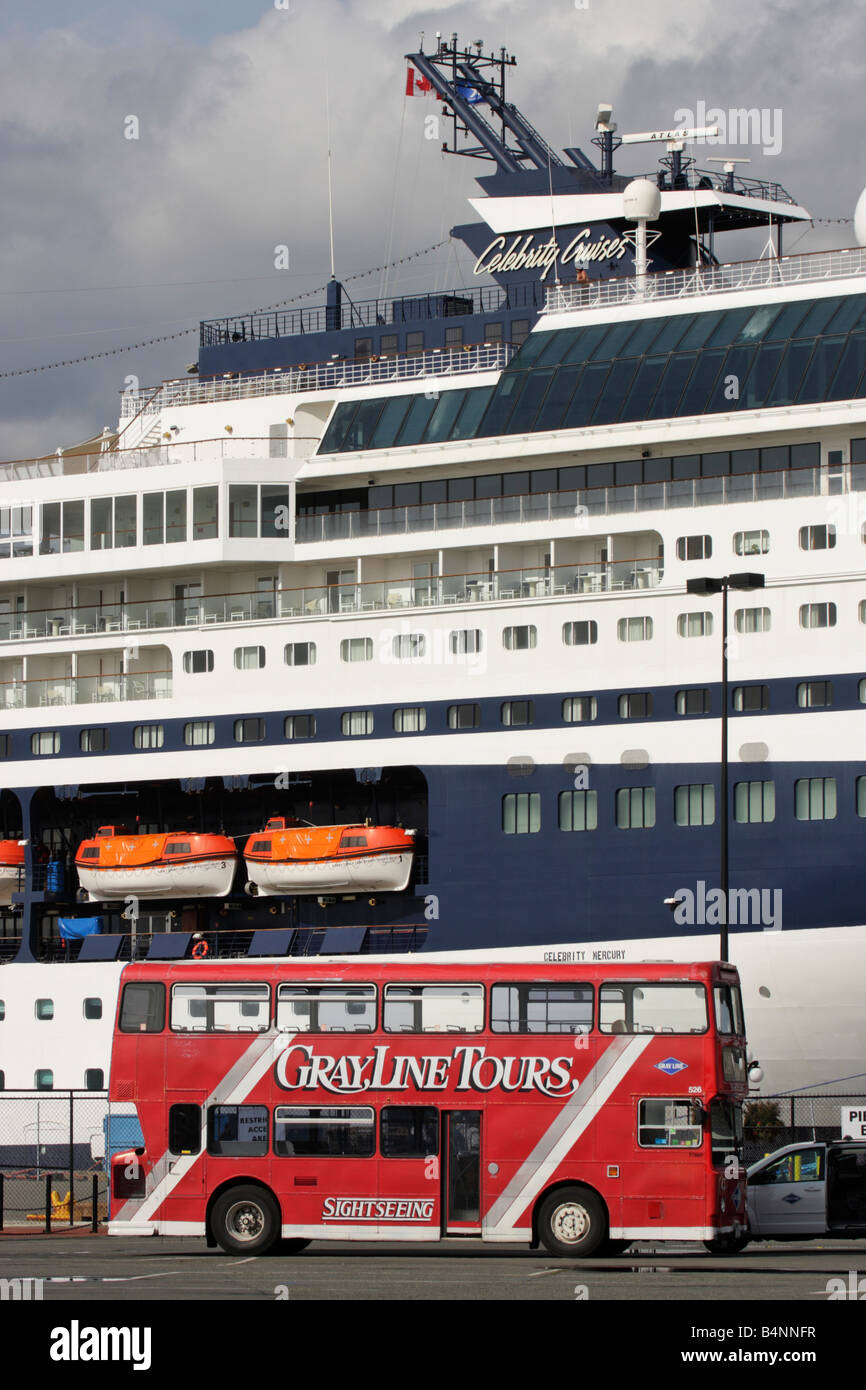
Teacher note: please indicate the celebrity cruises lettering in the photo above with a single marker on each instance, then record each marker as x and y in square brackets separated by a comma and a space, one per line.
[522, 253]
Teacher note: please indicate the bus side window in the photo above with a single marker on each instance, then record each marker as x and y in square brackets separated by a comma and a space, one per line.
[184, 1129]
[142, 1008]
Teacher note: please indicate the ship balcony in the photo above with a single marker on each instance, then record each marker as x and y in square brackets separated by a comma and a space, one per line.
[38, 686]
[622, 500]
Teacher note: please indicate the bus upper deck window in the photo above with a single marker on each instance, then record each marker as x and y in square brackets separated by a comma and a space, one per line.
[142, 1008]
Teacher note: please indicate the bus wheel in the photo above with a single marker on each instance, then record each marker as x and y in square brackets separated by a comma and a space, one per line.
[573, 1222]
[727, 1245]
[246, 1221]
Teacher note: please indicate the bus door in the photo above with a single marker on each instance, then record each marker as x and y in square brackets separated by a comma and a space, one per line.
[186, 1137]
[410, 1169]
[461, 1171]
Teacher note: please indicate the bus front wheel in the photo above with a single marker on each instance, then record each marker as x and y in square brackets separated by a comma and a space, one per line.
[246, 1221]
[572, 1222]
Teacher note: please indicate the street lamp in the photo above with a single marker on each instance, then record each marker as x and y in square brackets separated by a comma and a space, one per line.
[721, 586]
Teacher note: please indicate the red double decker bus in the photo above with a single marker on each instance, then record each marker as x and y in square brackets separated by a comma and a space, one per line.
[577, 1106]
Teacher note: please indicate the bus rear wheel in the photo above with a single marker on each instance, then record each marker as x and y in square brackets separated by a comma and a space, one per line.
[246, 1221]
[572, 1222]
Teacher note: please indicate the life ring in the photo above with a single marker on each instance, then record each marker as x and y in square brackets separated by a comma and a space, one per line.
[199, 950]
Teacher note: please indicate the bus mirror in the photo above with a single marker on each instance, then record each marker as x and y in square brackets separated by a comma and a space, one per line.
[697, 1113]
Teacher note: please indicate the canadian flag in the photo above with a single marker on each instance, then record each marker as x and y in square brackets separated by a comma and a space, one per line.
[416, 85]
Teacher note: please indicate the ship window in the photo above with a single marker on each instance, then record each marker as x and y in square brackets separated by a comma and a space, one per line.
[5, 745]
[148, 736]
[249, 658]
[693, 701]
[695, 624]
[752, 620]
[493, 332]
[411, 719]
[635, 808]
[466, 641]
[754, 802]
[43, 1079]
[92, 1008]
[300, 653]
[45, 1010]
[261, 846]
[237, 1131]
[178, 847]
[199, 662]
[414, 342]
[205, 513]
[578, 810]
[521, 813]
[90, 852]
[273, 511]
[751, 542]
[815, 694]
[817, 615]
[861, 796]
[326, 1008]
[389, 343]
[124, 522]
[16, 527]
[407, 645]
[2, 1010]
[519, 331]
[353, 842]
[93, 740]
[582, 634]
[249, 730]
[2, 1081]
[634, 629]
[198, 733]
[818, 537]
[446, 1008]
[580, 709]
[638, 705]
[748, 699]
[695, 804]
[515, 713]
[242, 509]
[94, 1079]
[466, 716]
[363, 347]
[45, 743]
[520, 639]
[815, 798]
[356, 649]
[356, 722]
[300, 726]
[694, 547]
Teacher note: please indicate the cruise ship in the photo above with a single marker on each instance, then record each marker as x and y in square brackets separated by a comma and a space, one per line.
[428, 563]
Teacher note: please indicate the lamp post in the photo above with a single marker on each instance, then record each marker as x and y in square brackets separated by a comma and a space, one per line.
[721, 586]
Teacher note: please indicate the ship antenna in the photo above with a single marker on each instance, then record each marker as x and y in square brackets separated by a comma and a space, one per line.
[330, 192]
[556, 279]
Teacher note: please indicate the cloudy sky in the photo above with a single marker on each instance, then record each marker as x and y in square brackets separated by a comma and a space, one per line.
[107, 241]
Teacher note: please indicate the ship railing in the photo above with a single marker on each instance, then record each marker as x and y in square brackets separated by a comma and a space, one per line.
[372, 313]
[580, 504]
[168, 454]
[809, 268]
[84, 690]
[333, 375]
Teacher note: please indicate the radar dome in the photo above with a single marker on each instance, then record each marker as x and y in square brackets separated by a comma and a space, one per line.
[860, 219]
[642, 201]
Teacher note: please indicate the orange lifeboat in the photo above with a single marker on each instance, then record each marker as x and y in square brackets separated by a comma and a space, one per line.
[174, 864]
[288, 857]
[11, 865]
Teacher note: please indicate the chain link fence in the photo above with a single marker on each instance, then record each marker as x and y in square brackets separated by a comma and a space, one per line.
[770, 1122]
[52, 1146]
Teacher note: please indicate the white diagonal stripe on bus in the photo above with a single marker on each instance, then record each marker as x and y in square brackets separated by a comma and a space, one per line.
[234, 1087]
[574, 1117]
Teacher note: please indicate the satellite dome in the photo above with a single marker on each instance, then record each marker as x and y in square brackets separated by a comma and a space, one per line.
[860, 219]
[642, 201]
